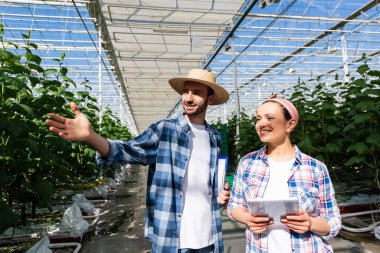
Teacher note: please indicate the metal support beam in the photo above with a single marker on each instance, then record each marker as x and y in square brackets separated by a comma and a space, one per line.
[100, 77]
[231, 32]
[344, 57]
[237, 103]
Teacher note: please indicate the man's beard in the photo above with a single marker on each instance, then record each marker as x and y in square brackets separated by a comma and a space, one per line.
[202, 108]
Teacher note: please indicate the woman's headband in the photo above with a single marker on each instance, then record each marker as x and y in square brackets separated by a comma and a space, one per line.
[288, 106]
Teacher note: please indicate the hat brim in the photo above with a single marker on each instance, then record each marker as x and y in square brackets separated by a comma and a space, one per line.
[220, 94]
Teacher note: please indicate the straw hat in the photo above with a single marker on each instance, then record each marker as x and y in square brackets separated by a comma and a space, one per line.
[203, 77]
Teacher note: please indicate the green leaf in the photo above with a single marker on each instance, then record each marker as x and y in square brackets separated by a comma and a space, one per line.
[327, 106]
[16, 128]
[363, 117]
[20, 68]
[69, 95]
[63, 71]
[33, 45]
[5, 55]
[27, 49]
[41, 90]
[83, 94]
[374, 92]
[60, 90]
[3, 179]
[33, 81]
[51, 84]
[26, 36]
[374, 139]
[49, 72]
[27, 143]
[355, 160]
[23, 196]
[333, 148]
[364, 105]
[331, 129]
[349, 127]
[69, 80]
[43, 191]
[3, 123]
[10, 80]
[33, 57]
[35, 67]
[94, 107]
[306, 143]
[362, 69]
[358, 147]
[374, 73]
[358, 83]
[45, 154]
[22, 108]
[11, 43]
[7, 217]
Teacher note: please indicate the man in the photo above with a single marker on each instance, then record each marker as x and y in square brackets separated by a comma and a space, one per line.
[182, 211]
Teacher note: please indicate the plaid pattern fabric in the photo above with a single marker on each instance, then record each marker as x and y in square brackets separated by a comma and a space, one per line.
[309, 181]
[165, 147]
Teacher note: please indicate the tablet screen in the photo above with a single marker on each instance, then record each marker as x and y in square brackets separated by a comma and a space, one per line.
[274, 209]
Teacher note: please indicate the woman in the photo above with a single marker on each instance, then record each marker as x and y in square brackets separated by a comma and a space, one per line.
[279, 171]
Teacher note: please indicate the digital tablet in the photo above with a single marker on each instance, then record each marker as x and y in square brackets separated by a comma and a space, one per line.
[273, 208]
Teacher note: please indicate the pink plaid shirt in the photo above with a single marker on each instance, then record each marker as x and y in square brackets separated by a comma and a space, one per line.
[309, 181]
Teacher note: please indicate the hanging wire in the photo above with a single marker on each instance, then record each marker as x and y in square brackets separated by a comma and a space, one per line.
[34, 11]
[97, 49]
[259, 35]
[255, 39]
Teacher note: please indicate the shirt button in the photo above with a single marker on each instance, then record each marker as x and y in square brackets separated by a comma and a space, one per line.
[179, 216]
[180, 196]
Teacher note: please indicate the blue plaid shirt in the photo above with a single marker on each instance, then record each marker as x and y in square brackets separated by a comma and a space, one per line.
[165, 147]
[309, 181]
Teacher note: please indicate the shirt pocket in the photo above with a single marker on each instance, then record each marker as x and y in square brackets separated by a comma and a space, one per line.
[309, 199]
[251, 187]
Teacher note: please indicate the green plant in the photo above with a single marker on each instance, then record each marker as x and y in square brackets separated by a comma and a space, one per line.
[33, 160]
[361, 107]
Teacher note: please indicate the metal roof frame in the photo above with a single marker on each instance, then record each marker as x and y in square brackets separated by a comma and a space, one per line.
[144, 43]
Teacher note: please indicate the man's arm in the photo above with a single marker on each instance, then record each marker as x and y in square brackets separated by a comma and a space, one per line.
[77, 129]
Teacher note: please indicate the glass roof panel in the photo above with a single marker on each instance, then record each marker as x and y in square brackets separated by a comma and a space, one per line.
[289, 41]
[147, 42]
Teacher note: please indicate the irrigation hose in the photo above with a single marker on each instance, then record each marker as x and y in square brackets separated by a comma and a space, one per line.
[370, 228]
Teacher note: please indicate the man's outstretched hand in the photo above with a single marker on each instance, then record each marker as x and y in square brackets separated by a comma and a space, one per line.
[77, 129]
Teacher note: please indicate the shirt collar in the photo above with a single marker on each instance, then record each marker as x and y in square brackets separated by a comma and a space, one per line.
[183, 123]
[262, 154]
[185, 126]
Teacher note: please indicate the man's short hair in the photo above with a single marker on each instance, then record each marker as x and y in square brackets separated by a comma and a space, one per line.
[209, 91]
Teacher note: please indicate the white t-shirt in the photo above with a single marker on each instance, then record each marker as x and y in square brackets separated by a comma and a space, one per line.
[278, 234]
[196, 225]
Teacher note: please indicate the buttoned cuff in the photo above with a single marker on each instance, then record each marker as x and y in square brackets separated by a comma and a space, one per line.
[335, 225]
[110, 160]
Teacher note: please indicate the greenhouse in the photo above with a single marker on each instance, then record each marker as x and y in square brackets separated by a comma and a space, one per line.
[114, 60]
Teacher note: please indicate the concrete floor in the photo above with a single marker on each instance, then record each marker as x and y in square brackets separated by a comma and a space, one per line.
[123, 228]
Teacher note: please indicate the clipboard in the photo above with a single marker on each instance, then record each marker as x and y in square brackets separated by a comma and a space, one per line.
[222, 171]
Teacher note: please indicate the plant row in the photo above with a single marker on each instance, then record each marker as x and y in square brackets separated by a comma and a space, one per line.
[33, 161]
[339, 125]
